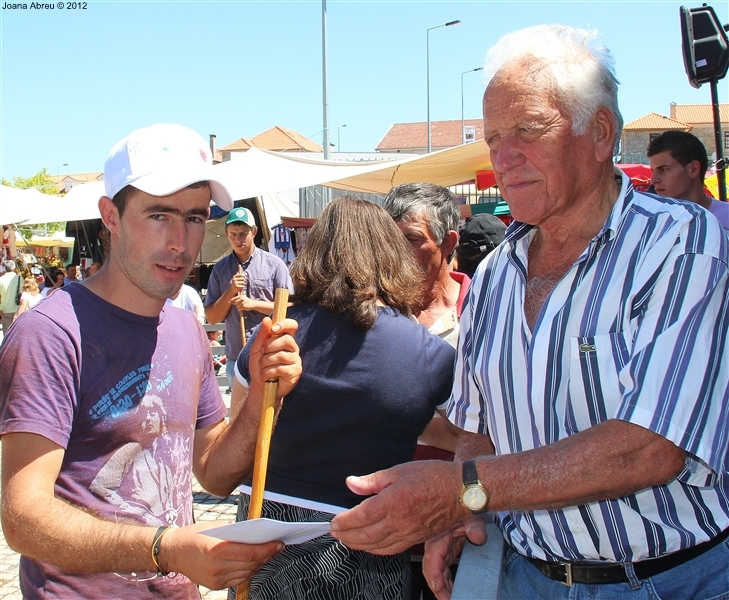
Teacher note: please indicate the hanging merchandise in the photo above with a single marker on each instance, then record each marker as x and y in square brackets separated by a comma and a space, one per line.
[280, 244]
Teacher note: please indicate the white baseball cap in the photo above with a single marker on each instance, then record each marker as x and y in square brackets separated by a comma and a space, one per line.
[161, 160]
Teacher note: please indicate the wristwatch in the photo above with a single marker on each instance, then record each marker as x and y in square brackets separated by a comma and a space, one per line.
[473, 495]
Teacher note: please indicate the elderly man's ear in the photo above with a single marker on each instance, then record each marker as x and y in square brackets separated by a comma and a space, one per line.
[603, 131]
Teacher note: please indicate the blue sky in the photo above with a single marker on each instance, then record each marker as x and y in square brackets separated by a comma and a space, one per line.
[73, 82]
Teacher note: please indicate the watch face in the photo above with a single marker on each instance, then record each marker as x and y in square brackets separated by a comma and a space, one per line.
[474, 497]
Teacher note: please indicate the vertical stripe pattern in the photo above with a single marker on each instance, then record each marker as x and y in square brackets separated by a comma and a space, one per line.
[324, 568]
[636, 330]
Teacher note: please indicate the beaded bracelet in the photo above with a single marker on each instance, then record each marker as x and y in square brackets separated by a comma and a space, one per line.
[156, 546]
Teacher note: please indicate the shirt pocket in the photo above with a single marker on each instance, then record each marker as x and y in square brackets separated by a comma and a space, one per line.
[594, 386]
[263, 286]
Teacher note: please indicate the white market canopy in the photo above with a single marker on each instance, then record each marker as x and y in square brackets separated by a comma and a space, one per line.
[56, 240]
[17, 205]
[259, 173]
[31, 207]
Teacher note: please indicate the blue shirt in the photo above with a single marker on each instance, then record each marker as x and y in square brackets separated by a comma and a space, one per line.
[636, 330]
[266, 272]
[363, 399]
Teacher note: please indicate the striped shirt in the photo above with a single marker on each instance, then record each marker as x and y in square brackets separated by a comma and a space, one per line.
[636, 330]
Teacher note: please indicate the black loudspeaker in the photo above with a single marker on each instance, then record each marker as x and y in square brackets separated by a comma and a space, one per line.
[705, 45]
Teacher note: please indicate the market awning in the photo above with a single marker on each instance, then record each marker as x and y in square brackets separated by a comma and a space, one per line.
[259, 171]
[56, 240]
[18, 205]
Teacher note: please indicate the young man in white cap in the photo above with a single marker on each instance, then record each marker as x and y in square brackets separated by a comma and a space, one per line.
[243, 284]
[108, 413]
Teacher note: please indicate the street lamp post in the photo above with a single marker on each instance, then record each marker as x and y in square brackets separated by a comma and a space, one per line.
[463, 132]
[339, 148]
[427, 67]
[325, 93]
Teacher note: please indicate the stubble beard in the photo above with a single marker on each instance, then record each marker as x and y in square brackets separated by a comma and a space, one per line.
[140, 273]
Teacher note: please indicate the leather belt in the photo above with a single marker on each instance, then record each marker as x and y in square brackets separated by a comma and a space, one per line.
[584, 572]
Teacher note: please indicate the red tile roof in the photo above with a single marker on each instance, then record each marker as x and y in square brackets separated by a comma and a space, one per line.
[655, 121]
[698, 113]
[277, 138]
[443, 134]
[60, 180]
[280, 139]
[241, 144]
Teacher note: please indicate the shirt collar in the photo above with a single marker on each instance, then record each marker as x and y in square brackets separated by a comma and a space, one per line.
[244, 263]
[518, 230]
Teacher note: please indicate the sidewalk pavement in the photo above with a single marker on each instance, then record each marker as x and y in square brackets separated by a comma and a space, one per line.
[206, 508]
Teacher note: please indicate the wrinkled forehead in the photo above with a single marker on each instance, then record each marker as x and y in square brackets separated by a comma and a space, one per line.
[517, 91]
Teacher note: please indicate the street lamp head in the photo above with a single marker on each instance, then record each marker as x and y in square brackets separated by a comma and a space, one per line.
[470, 71]
[427, 68]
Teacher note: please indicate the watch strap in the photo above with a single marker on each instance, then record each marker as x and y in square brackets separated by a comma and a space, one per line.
[470, 474]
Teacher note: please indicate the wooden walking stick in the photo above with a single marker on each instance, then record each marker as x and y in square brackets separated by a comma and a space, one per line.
[263, 439]
[242, 328]
[241, 313]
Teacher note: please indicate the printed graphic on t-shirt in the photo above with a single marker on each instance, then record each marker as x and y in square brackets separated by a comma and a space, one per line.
[145, 476]
[119, 399]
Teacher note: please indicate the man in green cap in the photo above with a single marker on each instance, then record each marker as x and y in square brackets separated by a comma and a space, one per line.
[243, 284]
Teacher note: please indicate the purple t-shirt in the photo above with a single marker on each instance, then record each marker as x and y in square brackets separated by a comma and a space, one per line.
[123, 394]
[721, 211]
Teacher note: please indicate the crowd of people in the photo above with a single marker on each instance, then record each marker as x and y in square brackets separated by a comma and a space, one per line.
[575, 366]
[30, 289]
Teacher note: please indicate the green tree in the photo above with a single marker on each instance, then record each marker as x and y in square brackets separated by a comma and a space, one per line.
[41, 181]
[44, 183]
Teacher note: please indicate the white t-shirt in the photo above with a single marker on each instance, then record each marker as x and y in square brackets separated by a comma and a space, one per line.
[188, 298]
[32, 299]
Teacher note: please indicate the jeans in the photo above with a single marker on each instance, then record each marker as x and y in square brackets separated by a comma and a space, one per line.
[706, 577]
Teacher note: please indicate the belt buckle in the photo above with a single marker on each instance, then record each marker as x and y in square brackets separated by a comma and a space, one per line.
[567, 574]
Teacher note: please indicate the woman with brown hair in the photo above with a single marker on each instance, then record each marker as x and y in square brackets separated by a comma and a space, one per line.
[372, 379]
[54, 280]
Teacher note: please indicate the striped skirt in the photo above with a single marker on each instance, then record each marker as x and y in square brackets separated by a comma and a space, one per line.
[323, 568]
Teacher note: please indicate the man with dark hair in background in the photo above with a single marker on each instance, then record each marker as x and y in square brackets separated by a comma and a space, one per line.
[72, 272]
[679, 162]
[477, 238]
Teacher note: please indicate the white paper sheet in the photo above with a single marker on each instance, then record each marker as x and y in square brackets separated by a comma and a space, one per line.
[259, 531]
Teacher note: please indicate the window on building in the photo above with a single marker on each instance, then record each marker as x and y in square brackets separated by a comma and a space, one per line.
[726, 140]
[653, 136]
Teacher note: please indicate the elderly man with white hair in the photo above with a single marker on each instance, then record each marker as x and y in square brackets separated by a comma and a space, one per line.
[592, 370]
